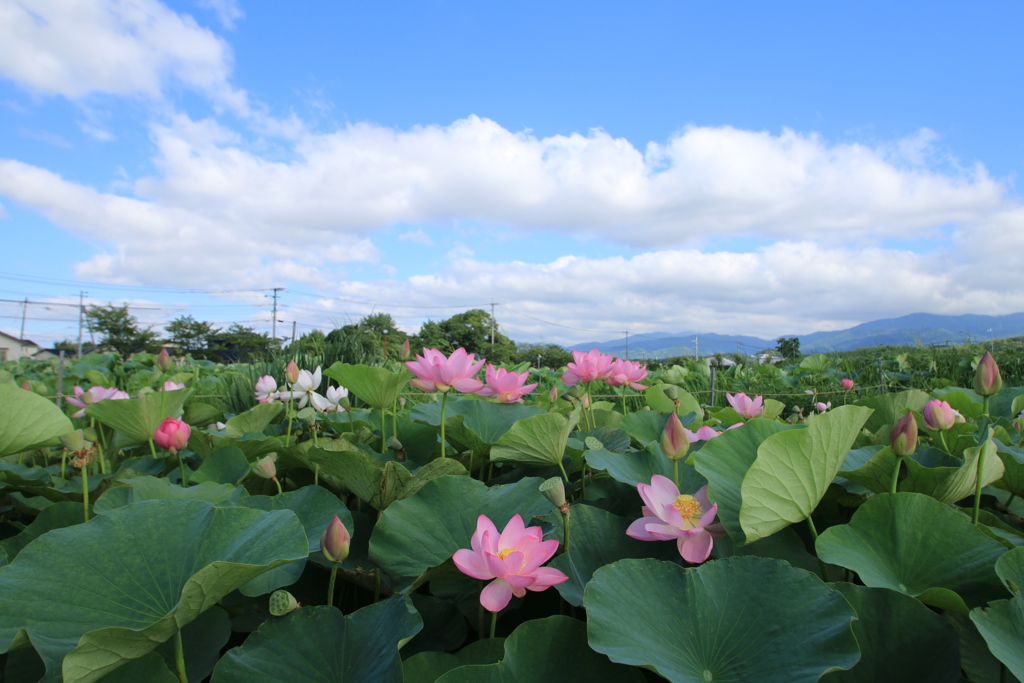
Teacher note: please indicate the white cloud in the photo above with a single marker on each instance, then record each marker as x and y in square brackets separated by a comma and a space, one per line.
[227, 11]
[417, 236]
[75, 48]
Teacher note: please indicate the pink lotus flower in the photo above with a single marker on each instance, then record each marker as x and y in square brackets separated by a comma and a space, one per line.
[512, 558]
[172, 435]
[172, 386]
[822, 407]
[266, 389]
[847, 383]
[436, 372]
[746, 406]
[668, 516]
[939, 415]
[627, 372]
[704, 433]
[589, 367]
[507, 386]
[96, 393]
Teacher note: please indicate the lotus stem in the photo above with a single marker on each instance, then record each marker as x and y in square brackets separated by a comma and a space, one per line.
[63, 462]
[179, 657]
[562, 467]
[984, 406]
[494, 622]
[895, 475]
[288, 412]
[330, 586]
[181, 466]
[821, 565]
[279, 489]
[977, 484]
[565, 526]
[99, 434]
[480, 619]
[444, 401]
[471, 452]
[85, 489]
[1010, 500]
[394, 416]
[152, 447]
[316, 474]
[675, 472]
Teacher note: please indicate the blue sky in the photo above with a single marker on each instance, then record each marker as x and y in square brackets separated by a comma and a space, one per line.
[590, 167]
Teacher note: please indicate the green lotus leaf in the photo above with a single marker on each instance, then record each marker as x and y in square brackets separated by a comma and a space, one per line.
[597, 538]
[199, 414]
[22, 476]
[794, 469]
[56, 516]
[373, 481]
[255, 419]
[646, 426]
[1002, 626]
[315, 507]
[1013, 469]
[151, 668]
[551, 649]
[28, 421]
[444, 627]
[914, 544]
[152, 488]
[640, 466]
[320, 645]
[427, 667]
[425, 530]
[747, 619]
[724, 461]
[537, 441]
[254, 444]
[136, 419]
[660, 402]
[900, 640]
[784, 545]
[978, 662]
[946, 484]
[201, 640]
[130, 578]
[889, 408]
[488, 421]
[378, 387]
[224, 465]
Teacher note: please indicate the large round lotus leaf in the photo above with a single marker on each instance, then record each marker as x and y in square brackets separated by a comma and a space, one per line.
[543, 650]
[889, 408]
[151, 668]
[784, 545]
[28, 421]
[224, 465]
[427, 667]
[914, 544]
[900, 640]
[597, 538]
[255, 419]
[1013, 465]
[201, 641]
[378, 387]
[315, 507]
[129, 578]
[423, 531]
[794, 469]
[489, 421]
[56, 516]
[320, 645]
[537, 441]
[747, 619]
[724, 461]
[1002, 623]
[641, 466]
[152, 488]
[137, 419]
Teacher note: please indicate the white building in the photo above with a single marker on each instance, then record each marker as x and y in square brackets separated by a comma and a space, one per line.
[12, 348]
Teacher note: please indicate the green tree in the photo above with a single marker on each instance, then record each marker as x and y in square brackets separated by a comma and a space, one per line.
[191, 335]
[119, 330]
[550, 355]
[470, 330]
[788, 347]
[240, 343]
[312, 343]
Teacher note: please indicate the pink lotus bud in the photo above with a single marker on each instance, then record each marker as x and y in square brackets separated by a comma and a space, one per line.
[822, 407]
[674, 442]
[586, 400]
[292, 372]
[266, 466]
[938, 415]
[163, 361]
[172, 435]
[406, 351]
[987, 380]
[553, 394]
[336, 541]
[26, 386]
[903, 437]
[847, 383]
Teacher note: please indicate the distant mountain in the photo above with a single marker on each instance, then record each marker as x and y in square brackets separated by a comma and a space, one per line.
[909, 330]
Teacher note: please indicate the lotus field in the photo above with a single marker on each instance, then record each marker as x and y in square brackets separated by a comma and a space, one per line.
[443, 519]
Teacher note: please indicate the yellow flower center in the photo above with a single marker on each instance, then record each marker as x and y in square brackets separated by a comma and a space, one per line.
[505, 553]
[688, 507]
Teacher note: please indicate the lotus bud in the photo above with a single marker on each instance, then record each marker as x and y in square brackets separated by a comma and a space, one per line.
[163, 361]
[987, 380]
[307, 416]
[266, 466]
[553, 394]
[938, 415]
[847, 383]
[554, 490]
[903, 437]
[674, 444]
[401, 403]
[406, 351]
[74, 441]
[586, 400]
[26, 386]
[395, 445]
[335, 542]
[172, 435]
[282, 602]
[292, 372]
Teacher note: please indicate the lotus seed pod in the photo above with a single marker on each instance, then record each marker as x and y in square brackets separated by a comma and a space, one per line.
[266, 467]
[74, 441]
[307, 416]
[593, 444]
[395, 445]
[282, 602]
[554, 490]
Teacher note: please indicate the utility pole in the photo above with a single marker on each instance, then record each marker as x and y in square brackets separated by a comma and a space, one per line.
[294, 323]
[24, 312]
[273, 327]
[696, 348]
[81, 315]
[492, 327]
[627, 344]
